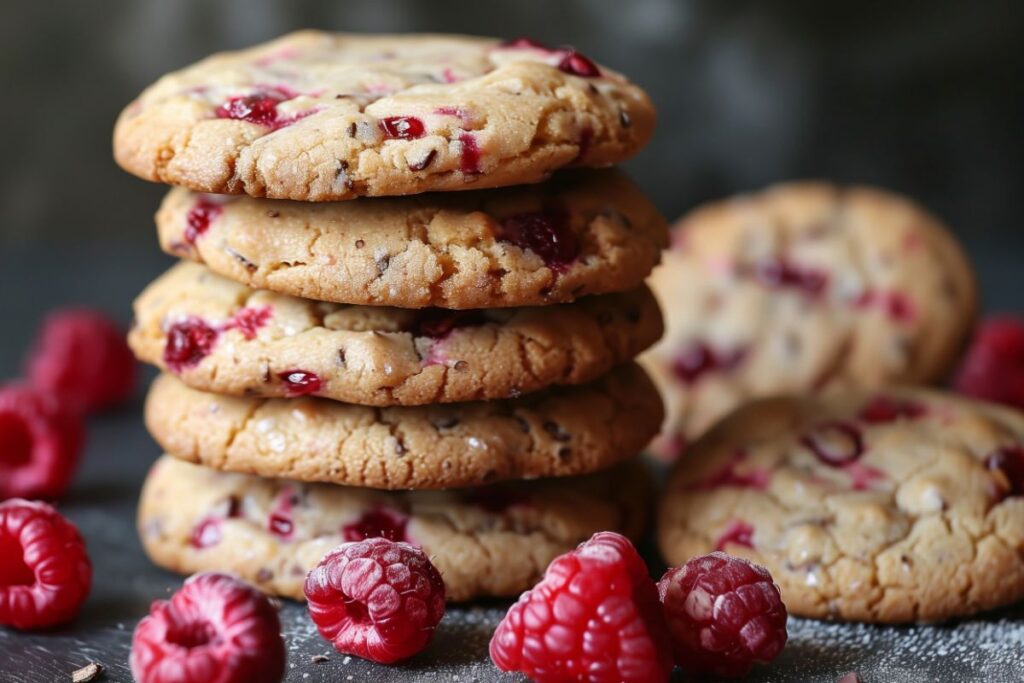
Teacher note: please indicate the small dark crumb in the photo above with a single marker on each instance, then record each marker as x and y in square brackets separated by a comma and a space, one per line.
[266, 373]
[578, 290]
[273, 213]
[382, 261]
[446, 422]
[523, 424]
[90, 672]
[246, 263]
[461, 365]
[360, 244]
[341, 357]
[264, 575]
[594, 90]
[556, 431]
[296, 570]
[546, 292]
[400, 448]
[564, 452]
[319, 659]
[424, 161]
[624, 118]
[351, 130]
[275, 602]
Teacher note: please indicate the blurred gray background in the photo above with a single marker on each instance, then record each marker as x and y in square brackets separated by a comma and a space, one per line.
[921, 97]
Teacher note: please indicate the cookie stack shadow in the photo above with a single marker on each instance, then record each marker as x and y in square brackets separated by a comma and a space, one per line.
[451, 369]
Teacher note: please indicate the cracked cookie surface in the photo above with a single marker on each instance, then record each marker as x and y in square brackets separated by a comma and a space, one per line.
[583, 232]
[893, 507]
[317, 116]
[803, 287]
[221, 336]
[490, 541]
[558, 432]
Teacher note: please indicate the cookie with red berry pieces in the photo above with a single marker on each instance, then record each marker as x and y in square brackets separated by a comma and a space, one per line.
[558, 432]
[891, 507]
[584, 232]
[485, 541]
[317, 116]
[803, 287]
[219, 335]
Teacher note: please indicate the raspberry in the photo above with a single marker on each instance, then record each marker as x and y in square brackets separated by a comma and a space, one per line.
[993, 367]
[546, 233]
[216, 628]
[81, 355]
[402, 127]
[593, 617]
[577, 64]
[724, 614]
[376, 599]
[40, 441]
[45, 573]
[300, 382]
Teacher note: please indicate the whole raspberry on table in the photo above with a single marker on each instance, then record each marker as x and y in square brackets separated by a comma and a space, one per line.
[40, 443]
[81, 356]
[216, 629]
[594, 617]
[45, 572]
[376, 599]
[993, 367]
[724, 614]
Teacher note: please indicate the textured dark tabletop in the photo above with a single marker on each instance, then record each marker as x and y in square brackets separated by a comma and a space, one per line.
[102, 504]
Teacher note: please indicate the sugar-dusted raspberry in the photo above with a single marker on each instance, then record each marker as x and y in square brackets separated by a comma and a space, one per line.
[593, 617]
[40, 443]
[376, 599]
[724, 614]
[216, 628]
[993, 368]
[45, 572]
[81, 356]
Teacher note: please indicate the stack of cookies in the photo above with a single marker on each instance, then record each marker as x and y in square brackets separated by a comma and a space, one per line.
[341, 362]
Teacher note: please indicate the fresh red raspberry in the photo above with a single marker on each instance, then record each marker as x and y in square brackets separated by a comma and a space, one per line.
[993, 368]
[45, 572]
[81, 356]
[40, 441]
[593, 617]
[724, 614]
[216, 629]
[376, 599]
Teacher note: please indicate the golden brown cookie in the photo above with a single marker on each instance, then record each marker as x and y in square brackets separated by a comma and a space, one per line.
[218, 335]
[893, 507]
[319, 116]
[492, 541]
[804, 287]
[584, 232]
[558, 432]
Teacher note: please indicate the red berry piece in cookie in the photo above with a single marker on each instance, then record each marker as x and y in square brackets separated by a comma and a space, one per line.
[524, 43]
[578, 64]
[261, 108]
[300, 382]
[249, 320]
[469, 162]
[993, 368]
[40, 443]
[438, 323]
[45, 572]
[593, 617]
[779, 273]
[882, 409]
[1010, 462]
[200, 216]
[402, 127]
[724, 613]
[216, 628]
[729, 476]
[841, 445]
[81, 356]
[737, 532]
[376, 599]
[380, 522]
[281, 522]
[189, 341]
[699, 359]
[546, 233]
[208, 532]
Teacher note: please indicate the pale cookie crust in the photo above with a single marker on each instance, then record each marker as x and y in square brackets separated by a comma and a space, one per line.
[318, 116]
[559, 432]
[804, 287]
[897, 507]
[494, 541]
[221, 336]
[453, 250]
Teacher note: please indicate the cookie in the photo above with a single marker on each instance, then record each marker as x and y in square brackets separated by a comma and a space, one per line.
[804, 287]
[895, 507]
[221, 336]
[318, 116]
[584, 232]
[492, 541]
[558, 432]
